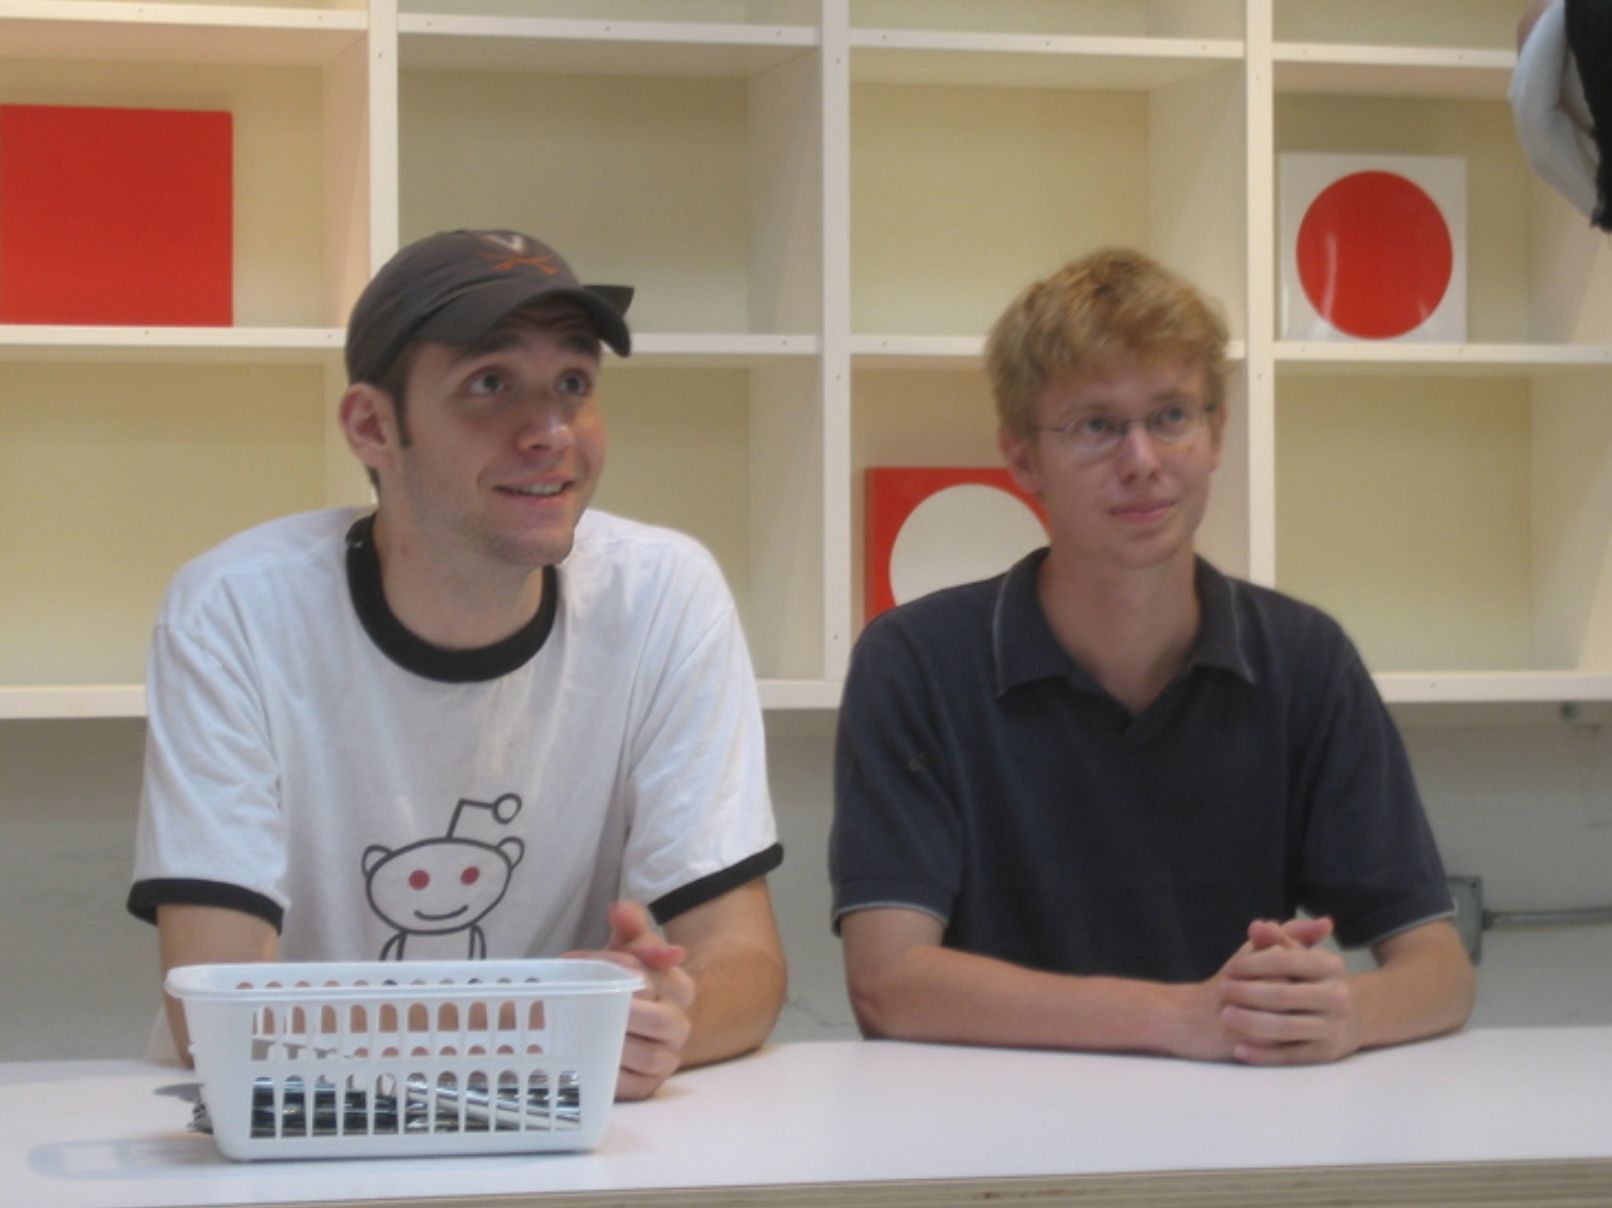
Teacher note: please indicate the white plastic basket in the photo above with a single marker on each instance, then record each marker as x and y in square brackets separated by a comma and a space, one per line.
[385, 1058]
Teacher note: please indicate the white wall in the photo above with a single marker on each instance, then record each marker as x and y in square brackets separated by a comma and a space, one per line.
[1527, 807]
[80, 973]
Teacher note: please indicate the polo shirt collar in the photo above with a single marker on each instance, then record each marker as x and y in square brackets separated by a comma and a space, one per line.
[1024, 649]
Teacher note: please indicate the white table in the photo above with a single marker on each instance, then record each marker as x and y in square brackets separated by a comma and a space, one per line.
[1518, 1116]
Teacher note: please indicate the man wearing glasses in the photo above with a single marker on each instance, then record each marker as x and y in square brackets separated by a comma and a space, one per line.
[1083, 804]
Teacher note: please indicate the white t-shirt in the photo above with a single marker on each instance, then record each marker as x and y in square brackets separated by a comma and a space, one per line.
[310, 761]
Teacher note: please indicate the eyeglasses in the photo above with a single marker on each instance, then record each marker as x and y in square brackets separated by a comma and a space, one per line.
[1095, 434]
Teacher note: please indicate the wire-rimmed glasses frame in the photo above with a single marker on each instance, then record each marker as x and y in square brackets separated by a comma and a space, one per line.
[1095, 434]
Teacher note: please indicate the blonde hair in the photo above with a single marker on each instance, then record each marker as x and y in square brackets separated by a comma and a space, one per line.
[1111, 306]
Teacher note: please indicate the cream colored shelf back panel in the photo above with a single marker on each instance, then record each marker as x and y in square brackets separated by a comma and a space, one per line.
[1226, 535]
[1198, 186]
[1485, 24]
[920, 417]
[679, 455]
[1022, 61]
[792, 591]
[1079, 18]
[692, 12]
[1571, 512]
[1570, 273]
[1475, 75]
[962, 196]
[441, 42]
[281, 275]
[1453, 523]
[692, 448]
[124, 31]
[682, 187]
[1510, 219]
[110, 480]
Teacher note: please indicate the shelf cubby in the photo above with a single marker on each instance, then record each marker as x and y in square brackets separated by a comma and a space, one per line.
[1381, 24]
[1535, 276]
[1457, 522]
[731, 456]
[113, 474]
[696, 187]
[962, 193]
[301, 197]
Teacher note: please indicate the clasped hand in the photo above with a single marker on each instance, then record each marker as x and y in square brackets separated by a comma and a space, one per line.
[658, 1023]
[1282, 999]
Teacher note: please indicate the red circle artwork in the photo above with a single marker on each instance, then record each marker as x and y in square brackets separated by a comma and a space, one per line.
[1374, 255]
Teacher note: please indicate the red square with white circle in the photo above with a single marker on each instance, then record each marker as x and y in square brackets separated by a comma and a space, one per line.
[1373, 247]
[930, 527]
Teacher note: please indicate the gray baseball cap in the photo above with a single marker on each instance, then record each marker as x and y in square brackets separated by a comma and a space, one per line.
[456, 286]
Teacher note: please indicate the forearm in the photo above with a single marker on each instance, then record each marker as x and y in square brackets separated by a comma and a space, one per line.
[205, 935]
[931, 993]
[1423, 986]
[736, 962]
[739, 990]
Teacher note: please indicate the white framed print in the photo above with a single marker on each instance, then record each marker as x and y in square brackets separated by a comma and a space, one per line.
[1373, 247]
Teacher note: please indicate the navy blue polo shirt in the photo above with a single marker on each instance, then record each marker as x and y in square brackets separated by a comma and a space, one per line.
[983, 777]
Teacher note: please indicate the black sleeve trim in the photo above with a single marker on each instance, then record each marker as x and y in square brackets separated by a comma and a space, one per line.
[697, 893]
[146, 896]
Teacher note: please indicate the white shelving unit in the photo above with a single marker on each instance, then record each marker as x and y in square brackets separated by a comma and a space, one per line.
[823, 203]
[1446, 500]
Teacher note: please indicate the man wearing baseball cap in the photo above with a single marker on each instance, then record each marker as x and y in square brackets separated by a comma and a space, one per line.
[477, 720]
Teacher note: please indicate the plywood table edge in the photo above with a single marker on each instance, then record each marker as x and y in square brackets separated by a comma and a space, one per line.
[1586, 1183]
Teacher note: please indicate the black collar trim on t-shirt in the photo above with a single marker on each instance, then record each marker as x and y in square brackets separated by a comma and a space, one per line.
[414, 653]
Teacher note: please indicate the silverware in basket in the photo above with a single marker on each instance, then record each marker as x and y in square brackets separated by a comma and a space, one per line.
[334, 1111]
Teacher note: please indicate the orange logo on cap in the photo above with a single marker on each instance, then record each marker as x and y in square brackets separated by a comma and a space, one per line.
[515, 243]
[543, 264]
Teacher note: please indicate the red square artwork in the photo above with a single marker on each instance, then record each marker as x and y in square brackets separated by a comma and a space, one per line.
[930, 527]
[115, 216]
